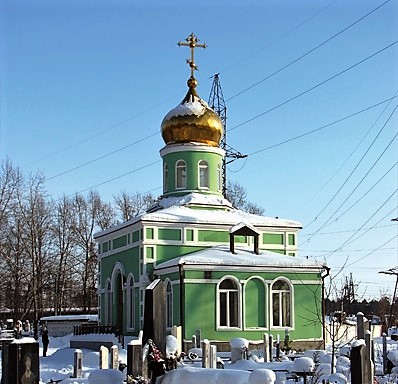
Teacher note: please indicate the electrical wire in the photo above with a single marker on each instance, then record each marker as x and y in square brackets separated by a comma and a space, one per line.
[308, 52]
[363, 178]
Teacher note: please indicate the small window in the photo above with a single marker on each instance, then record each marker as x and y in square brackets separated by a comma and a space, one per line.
[181, 174]
[219, 173]
[169, 305]
[109, 303]
[228, 296]
[165, 177]
[203, 174]
[130, 295]
[281, 304]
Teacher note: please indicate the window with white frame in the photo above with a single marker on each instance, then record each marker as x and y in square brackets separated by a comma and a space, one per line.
[281, 304]
[203, 174]
[169, 305]
[165, 177]
[108, 303]
[181, 174]
[228, 298]
[130, 303]
[219, 174]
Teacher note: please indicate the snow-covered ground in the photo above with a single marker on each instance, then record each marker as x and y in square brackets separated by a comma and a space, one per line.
[58, 365]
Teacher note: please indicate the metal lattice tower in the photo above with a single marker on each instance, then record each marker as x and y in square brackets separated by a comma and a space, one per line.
[217, 103]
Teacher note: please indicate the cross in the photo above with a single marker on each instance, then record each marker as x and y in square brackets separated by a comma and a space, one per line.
[192, 44]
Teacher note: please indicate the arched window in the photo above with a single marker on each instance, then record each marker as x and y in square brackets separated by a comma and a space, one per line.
[219, 174]
[203, 174]
[169, 305]
[181, 174]
[130, 303]
[108, 303]
[228, 298]
[281, 304]
[165, 177]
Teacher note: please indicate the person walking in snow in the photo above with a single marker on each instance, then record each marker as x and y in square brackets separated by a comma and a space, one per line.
[45, 341]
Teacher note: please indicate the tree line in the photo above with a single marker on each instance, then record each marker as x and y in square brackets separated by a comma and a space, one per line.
[48, 257]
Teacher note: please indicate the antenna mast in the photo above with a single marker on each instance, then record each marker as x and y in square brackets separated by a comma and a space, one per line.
[217, 103]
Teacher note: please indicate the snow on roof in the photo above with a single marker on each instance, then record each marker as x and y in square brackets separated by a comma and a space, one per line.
[177, 208]
[244, 257]
[219, 211]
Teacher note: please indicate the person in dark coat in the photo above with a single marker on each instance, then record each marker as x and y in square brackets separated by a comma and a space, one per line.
[45, 341]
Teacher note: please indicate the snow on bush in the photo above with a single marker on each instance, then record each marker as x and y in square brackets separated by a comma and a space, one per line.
[262, 376]
[393, 356]
[204, 376]
[239, 342]
[303, 364]
[337, 378]
[324, 369]
[106, 376]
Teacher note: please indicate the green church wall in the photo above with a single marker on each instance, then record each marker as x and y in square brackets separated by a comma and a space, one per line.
[169, 234]
[129, 258]
[273, 238]
[213, 236]
[119, 242]
[255, 304]
[168, 252]
[192, 159]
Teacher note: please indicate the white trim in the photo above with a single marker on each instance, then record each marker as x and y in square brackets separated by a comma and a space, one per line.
[167, 282]
[244, 283]
[271, 324]
[207, 176]
[130, 301]
[190, 147]
[239, 289]
[184, 184]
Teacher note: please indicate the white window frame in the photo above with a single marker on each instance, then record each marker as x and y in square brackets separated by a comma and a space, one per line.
[280, 293]
[169, 304]
[130, 294]
[165, 177]
[238, 291]
[203, 170]
[180, 177]
[219, 173]
[108, 302]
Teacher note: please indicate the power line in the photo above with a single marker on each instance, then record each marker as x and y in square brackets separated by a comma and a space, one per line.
[363, 178]
[278, 38]
[308, 52]
[322, 127]
[346, 160]
[314, 87]
[173, 97]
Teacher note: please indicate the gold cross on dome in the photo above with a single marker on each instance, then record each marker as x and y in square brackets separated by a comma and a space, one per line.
[191, 42]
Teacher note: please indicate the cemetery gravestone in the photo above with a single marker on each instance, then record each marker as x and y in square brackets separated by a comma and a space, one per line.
[155, 315]
[22, 363]
[78, 364]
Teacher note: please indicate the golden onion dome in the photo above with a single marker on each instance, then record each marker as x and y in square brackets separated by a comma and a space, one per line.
[192, 121]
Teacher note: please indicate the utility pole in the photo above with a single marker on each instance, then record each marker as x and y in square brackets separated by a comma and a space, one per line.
[217, 103]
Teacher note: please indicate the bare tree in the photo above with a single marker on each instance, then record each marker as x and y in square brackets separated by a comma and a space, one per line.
[132, 204]
[10, 183]
[237, 196]
[86, 211]
[64, 249]
[34, 216]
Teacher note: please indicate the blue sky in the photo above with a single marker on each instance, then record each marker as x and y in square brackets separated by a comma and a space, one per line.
[85, 86]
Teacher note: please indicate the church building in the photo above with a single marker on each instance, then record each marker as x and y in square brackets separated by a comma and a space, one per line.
[226, 272]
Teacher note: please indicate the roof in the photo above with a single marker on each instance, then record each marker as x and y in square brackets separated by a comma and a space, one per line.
[213, 210]
[244, 258]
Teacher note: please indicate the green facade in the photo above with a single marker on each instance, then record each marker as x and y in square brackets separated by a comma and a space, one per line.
[137, 252]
